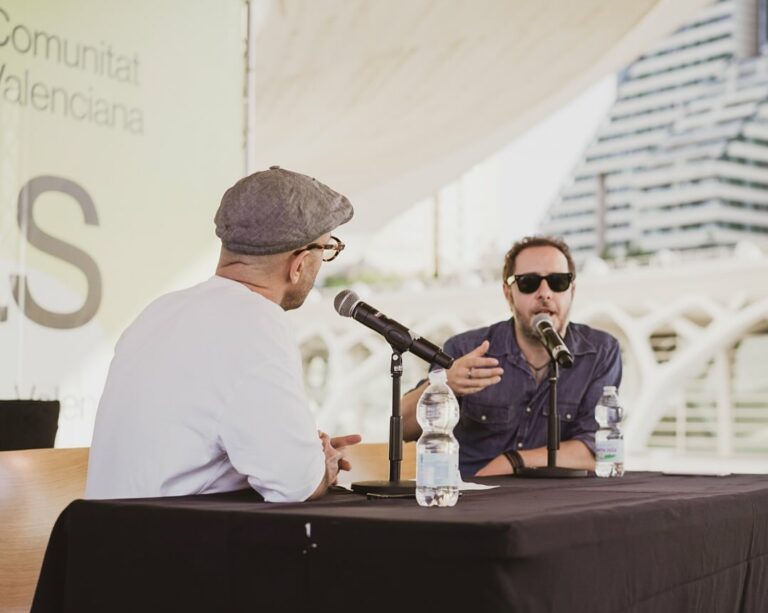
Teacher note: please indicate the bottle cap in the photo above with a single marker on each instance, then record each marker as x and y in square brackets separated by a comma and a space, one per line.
[438, 376]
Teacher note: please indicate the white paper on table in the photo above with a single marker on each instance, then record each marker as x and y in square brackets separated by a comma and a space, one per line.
[464, 486]
[696, 473]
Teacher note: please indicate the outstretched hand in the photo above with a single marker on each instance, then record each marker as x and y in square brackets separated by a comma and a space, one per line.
[334, 450]
[340, 443]
[473, 372]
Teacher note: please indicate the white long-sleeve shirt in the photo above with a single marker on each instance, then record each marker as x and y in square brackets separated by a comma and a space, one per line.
[205, 394]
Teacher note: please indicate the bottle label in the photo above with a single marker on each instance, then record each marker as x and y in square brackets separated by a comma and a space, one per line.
[437, 470]
[610, 450]
[607, 414]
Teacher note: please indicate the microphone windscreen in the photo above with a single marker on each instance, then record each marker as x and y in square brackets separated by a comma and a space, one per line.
[345, 302]
[541, 318]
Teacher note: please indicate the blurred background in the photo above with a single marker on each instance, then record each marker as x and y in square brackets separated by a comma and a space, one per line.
[637, 130]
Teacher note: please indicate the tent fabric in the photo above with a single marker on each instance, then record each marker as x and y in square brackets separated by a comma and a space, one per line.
[388, 101]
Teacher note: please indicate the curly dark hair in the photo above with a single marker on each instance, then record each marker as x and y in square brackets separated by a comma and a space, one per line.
[535, 241]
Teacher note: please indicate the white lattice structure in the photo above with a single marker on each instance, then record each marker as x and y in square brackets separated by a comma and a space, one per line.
[694, 337]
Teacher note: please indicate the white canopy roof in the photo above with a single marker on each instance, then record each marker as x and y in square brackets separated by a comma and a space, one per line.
[388, 100]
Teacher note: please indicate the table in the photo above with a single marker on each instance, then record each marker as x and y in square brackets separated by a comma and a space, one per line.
[646, 542]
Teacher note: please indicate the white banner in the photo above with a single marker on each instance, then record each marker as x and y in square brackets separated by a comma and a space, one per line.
[121, 124]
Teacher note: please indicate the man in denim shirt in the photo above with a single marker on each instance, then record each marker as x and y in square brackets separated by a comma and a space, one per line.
[501, 377]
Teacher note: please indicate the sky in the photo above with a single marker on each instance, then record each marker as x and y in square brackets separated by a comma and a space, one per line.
[495, 202]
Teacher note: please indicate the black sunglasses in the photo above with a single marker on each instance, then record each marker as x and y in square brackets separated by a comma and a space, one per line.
[529, 282]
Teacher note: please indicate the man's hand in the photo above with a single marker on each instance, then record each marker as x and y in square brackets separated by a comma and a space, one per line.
[334, 450]
[332, 459]
[473, 372]
[340, 443]
[572, 454]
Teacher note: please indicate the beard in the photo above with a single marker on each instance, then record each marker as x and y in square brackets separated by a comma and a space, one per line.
[559, 321]
[295, 297]
[296, 294]
[527, 330]
[293, 300]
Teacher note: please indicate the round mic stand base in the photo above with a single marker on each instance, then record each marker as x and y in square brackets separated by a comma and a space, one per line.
[555, 472]
[385, 488]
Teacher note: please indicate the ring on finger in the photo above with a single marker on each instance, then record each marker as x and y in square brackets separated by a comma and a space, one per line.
[469, 373]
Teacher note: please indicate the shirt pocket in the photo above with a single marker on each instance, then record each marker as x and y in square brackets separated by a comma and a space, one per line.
[567, 411]
[487, 416]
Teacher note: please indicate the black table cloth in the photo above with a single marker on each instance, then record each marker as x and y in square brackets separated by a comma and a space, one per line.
[646, 542]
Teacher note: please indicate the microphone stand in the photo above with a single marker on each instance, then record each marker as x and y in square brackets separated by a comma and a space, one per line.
[552, 470]
[395, 486]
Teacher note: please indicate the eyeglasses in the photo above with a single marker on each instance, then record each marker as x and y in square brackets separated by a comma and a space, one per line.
[529, 282]
[330, 250]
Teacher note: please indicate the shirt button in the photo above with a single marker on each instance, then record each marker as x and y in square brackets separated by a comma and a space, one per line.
[519, 445]
[527, 409]
[567, 415]
[483, 417]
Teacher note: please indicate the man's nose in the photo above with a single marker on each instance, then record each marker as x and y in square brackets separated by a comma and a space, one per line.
[544, 292]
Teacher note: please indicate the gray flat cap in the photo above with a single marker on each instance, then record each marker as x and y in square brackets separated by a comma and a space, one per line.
[276, 210]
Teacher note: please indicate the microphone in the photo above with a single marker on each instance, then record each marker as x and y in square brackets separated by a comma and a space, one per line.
[550, 338]
[348, 304]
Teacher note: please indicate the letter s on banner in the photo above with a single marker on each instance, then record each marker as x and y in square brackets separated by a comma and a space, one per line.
[60, 249]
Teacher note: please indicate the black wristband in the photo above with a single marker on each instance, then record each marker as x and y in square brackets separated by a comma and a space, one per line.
[515, 459]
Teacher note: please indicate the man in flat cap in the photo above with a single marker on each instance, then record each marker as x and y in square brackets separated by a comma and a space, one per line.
[205, 391]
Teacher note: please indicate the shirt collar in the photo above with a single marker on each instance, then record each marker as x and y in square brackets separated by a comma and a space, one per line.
[577, 341]
[504, 343]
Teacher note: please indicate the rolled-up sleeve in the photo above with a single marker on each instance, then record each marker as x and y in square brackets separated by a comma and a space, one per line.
[607, 372]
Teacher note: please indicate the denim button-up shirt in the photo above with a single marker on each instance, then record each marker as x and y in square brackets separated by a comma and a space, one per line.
[513, 413]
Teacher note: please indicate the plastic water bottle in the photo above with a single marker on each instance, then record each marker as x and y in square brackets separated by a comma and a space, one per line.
[437, 450]
[609, 441]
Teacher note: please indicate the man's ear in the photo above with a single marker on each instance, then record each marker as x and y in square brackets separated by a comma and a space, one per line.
[507, 293]
[296, 266]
